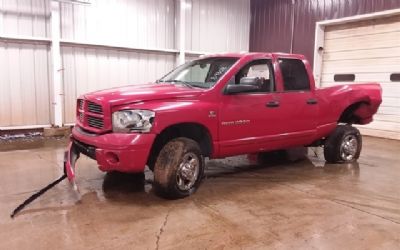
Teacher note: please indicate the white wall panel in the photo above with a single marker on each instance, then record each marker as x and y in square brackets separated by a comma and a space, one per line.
[217, 25]
[135, 23]
[88, 69]
[25, 17]
[24, 84]
[189, 57]
[101, 47]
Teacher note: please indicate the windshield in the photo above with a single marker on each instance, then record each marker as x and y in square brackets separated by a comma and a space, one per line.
[202, 73]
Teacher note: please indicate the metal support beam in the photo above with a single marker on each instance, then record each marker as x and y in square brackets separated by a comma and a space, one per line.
[292, 27]
[56, 64]
[318, 53]
[24, 127]
[24, 39]
[89, 44]
[180, 34]
[1, 17]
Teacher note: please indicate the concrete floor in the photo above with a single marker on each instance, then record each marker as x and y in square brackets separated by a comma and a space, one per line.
[305, 204]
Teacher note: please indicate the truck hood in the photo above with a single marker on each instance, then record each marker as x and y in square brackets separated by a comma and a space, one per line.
[140, 93]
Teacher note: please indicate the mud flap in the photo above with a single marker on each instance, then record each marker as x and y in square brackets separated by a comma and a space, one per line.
[70, 158]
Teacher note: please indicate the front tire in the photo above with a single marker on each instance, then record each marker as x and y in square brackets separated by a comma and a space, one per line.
[179, 169]
[343, 145]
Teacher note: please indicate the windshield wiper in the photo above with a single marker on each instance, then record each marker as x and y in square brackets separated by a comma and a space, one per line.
[178, 81]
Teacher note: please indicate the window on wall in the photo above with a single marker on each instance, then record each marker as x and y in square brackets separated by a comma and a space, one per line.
[344, 77]
[260, 71]
[395, 77]
[294, 73]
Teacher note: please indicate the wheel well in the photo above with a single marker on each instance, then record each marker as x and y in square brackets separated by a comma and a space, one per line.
[348, 116]
[194, 131]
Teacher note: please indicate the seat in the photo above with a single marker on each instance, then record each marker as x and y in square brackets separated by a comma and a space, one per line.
[289, 83]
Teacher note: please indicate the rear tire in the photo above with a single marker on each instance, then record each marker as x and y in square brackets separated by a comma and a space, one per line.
[343, 145]
[179, 169]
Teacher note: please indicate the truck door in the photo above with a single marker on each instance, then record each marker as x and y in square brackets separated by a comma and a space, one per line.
[298, 103]
[249, 121]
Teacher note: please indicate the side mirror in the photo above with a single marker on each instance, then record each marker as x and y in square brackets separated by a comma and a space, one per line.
[234, 89]
[247, 84]
[248, 80]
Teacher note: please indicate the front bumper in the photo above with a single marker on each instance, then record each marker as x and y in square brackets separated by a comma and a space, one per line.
[114, 151]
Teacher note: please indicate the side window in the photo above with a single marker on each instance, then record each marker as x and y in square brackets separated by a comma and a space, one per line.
[258, 71]
[294, 74]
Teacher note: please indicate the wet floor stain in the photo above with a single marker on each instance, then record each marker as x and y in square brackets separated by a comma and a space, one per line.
[281, 201]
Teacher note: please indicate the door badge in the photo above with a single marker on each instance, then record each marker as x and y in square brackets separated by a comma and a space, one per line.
[212, 114]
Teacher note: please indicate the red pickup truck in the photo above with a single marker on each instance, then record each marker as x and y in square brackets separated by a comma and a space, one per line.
[218, 106]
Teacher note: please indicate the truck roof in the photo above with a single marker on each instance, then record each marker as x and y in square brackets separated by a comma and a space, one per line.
[256, 54]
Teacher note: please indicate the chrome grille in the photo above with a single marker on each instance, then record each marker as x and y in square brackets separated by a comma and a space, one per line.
[95, 108]
[95, 122]
[90, 115]
[80, 104]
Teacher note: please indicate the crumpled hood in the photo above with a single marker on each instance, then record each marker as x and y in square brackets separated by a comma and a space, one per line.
[145, 92]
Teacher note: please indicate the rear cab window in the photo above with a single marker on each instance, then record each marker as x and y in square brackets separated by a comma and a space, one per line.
[294, 75]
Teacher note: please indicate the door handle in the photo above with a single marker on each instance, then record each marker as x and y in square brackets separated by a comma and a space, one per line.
[312, 101]
[272, 104]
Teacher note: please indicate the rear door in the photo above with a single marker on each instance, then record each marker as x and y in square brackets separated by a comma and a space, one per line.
[298, 103]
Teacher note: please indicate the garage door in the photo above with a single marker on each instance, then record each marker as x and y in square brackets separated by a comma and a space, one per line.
[367, 51]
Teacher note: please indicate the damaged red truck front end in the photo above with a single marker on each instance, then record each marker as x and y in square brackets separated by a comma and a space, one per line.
[112, 151]
[218, 106]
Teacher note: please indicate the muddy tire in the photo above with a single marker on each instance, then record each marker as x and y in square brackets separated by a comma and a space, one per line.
[343, 145]
[179, 169]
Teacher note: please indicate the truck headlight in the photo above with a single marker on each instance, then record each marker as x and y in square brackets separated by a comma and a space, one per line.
[132, 120]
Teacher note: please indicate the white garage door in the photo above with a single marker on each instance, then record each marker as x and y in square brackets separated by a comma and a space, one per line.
[367, 51]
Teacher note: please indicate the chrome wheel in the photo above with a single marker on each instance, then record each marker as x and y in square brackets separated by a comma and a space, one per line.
[348, 148]
[188, 172]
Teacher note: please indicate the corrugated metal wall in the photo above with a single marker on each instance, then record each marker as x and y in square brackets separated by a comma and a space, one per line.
[25, 17]
[271, 21]
[24, 68]
[137, 23]
[24, 84]
[218, 26]
[127, 28]
[88, 69]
